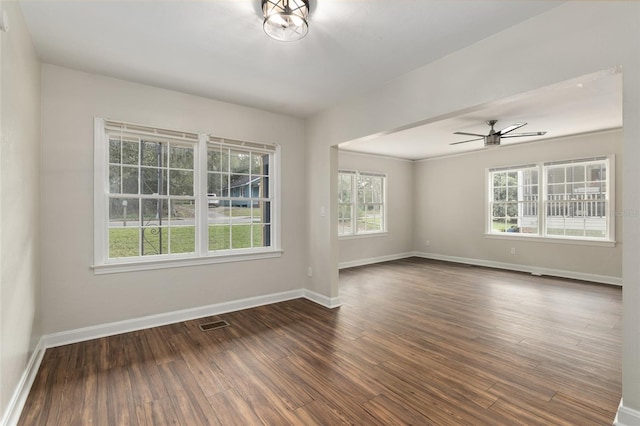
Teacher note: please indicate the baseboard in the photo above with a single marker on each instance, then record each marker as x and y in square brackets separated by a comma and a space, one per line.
[119, 327]
[626, 416]
[320, 299]
[16, 404]
[19, 397]
[603, 279]
[371, 260]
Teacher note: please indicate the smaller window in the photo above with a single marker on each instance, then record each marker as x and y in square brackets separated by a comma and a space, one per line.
[514, 200]
[361, 202]
[238, 188]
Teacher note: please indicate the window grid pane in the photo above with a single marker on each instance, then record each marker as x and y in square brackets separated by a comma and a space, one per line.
[514, 203]
[151, 207]
[238, 198]
[577, 208]
[575, 203]
[360, 203]
[139, 225]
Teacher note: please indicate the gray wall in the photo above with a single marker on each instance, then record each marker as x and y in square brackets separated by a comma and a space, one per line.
[20, 200]
[73, 297]
[577, 38]
[451, 199]
[398, 239]
[571, 40]
[437, 208]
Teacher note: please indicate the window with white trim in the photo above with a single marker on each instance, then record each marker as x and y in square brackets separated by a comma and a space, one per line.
[163, 195]
[361, 202]
[563, 199]
[238, 189]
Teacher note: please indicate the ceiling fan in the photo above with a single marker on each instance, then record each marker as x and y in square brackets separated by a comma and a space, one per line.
[493, 138]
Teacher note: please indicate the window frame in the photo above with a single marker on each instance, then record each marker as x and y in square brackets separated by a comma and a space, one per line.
[103, 264]
[354, 204]
[542, 203]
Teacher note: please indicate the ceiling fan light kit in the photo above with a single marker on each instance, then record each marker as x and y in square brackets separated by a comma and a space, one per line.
[286, 20]
[494, 137]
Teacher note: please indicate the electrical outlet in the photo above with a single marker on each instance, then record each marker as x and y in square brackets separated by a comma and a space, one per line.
[513, 250]
[309, 271]
[428, 243]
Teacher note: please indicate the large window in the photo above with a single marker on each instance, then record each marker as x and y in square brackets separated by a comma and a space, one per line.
[163, 195]
[564, 199]
[361, 203]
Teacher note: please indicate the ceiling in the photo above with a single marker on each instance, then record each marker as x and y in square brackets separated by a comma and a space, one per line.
[582, 105]
[217, 49]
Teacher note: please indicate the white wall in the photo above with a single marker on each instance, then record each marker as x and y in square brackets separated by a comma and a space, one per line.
[19, 210]
[572, 40]
[73, 297]
[451, 201]
[398, 239]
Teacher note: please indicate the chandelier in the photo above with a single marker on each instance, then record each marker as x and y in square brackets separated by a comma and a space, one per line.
[285, 20]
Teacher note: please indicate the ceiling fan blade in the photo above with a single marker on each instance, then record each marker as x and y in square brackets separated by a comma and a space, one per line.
[468, 134]
[511, 128]
[520, 135]
[470, 140]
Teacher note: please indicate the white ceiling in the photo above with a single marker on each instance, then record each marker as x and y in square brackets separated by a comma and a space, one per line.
[217, 49]
[582, 105]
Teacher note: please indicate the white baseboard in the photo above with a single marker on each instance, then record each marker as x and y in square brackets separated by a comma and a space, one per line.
[19, 397]
[371, 260]
[320, 299]
[626, 416]
[16, 404]
[119, 327]
[603, 279]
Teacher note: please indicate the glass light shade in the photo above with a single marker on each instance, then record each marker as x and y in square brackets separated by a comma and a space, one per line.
[285, 20]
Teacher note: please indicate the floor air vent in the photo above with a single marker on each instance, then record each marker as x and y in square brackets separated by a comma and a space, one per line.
[208, 326]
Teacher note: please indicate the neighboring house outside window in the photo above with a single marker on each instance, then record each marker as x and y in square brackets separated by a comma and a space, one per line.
[563, 199]
[240, 176]
[169, 197]
[361, 202]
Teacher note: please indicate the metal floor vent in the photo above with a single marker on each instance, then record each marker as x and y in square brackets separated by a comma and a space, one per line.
[208, 326]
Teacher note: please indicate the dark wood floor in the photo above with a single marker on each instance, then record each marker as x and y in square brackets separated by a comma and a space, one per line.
[415, 342]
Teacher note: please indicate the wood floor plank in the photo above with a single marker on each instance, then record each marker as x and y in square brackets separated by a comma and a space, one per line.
[415, 342]
[319, 413]
[232, 410]
[391, 412]
[267, 403]
[153, 413]
[189, 402]
[144, 372]
[210, 378]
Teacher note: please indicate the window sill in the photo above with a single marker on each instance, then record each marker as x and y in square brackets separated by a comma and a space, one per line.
[367, 235]
[557, 240]
[145, 265]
